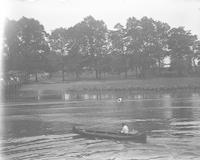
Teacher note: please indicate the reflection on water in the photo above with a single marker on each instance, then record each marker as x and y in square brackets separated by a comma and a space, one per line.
[43, 131]
[52, 95]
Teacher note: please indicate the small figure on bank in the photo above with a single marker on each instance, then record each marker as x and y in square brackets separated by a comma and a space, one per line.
[125, 129]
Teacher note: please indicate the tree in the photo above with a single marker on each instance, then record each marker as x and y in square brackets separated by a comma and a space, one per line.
[180, 43]
[58, 42]
[26, 45]
[87, 46]
[95, 34]
[196, 56]
[149, 46]
[146, 44]
[160, 43]
[141, 43]
[77, 56]
[12, 46]
[119, 39]
[117, 63]
[53, 63]
[33, 44]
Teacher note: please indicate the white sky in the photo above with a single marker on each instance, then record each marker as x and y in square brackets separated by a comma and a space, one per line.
[65, 13]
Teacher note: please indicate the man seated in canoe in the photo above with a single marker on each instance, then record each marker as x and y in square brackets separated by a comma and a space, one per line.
[125, 129]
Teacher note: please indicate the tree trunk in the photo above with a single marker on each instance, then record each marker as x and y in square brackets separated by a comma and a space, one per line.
[36, 77]
[126, 66]
[159, 65]
[77, 76]
[97, 77]
[136, 72]
[26, 77]
[50, 75]
[142, 72]
[194, 65]
[63, 75]
[126, 74]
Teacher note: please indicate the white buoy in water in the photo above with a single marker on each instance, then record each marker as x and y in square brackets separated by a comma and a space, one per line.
[119, 99]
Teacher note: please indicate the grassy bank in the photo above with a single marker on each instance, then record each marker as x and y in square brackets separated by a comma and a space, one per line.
[148, 84]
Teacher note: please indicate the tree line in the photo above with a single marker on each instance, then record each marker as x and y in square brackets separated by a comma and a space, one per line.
[144, 46]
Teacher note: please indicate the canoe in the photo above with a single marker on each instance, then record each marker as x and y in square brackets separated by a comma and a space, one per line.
[138, 137]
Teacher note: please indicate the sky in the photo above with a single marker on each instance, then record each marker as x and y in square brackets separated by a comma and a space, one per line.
[66, 13]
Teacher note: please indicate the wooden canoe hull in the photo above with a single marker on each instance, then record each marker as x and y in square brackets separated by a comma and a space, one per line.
[138, 137]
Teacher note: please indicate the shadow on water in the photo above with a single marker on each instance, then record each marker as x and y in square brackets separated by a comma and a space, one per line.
[26, 128]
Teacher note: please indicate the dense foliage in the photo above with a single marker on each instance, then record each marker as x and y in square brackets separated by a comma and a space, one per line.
[146, 47]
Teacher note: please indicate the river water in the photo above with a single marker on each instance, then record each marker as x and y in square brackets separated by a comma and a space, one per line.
[41, 127]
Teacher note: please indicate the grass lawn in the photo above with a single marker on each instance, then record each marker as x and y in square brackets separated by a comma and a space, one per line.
[156, 83]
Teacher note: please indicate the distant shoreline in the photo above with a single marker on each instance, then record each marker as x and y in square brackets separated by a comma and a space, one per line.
[155, 84]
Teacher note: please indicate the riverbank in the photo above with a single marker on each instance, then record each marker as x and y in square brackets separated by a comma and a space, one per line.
[134, 84]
